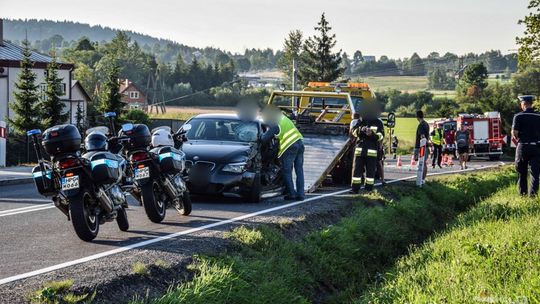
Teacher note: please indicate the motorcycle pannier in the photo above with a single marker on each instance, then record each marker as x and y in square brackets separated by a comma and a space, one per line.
[61, 139]
[139, 136]
[105, 168]
[44, 180]
[171, 160]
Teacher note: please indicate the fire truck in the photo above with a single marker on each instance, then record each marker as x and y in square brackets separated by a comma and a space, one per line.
[485, 131]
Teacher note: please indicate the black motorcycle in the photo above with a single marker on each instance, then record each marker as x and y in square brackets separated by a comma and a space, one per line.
[85, 187]
[158, 172]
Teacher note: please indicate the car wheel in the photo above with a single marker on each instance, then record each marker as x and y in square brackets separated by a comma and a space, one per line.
[254, 194]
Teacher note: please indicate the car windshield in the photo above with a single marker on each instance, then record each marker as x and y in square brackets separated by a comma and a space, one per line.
[223, 129]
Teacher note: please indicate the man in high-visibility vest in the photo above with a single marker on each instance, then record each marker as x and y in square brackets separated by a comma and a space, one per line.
[437, 141]
[291, 149]
[370, 133]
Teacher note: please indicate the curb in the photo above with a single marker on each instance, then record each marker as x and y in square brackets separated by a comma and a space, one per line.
[16, 181]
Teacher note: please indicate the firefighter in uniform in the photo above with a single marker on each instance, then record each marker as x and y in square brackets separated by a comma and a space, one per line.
[369, 133]
[526, 130]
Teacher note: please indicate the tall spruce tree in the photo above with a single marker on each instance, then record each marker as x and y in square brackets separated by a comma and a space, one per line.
[318, 61]
[110, 99]
[292, 47]
[26, 102]
[52, 107]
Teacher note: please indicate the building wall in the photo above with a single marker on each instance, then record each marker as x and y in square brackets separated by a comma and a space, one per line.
[40, 79]
[77, 98]
[3, 98]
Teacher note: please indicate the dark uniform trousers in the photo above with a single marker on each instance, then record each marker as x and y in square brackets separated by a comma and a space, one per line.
[365, 155]
[528, 155]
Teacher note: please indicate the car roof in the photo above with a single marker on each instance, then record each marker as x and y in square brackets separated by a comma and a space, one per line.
[222, 116]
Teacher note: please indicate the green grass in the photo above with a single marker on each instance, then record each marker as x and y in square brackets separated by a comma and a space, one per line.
[58, 292]
[490, 254]
[174, 115]
[401, 83]
[339, 263]
[405, 131]
[139, 268]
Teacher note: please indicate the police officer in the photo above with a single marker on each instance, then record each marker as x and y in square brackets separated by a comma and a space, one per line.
[526, 130]
[370, 132]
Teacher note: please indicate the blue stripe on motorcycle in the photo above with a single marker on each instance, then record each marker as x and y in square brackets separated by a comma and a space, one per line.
[110, 163]
[175, 156]
[39, 174]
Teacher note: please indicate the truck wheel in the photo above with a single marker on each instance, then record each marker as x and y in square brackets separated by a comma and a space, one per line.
[122, 219]
[154, 207]
[83, 216]
[254, 194]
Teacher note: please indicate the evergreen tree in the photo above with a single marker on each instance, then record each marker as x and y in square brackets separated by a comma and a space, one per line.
[110, 99]
[292, 48]
[52, 107]
[26, 102]
[319, 63]
[79, 117]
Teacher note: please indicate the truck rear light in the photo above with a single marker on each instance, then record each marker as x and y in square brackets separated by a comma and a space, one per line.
[68, 163]
[139, 156]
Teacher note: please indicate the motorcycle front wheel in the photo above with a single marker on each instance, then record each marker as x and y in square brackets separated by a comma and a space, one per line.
[122, 219]
[83, 216]
[185, 204]
[154, 206]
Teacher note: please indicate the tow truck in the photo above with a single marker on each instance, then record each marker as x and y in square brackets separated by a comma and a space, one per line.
[323, 112]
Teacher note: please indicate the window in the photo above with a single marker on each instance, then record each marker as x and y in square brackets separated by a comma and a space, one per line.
[223, 130]
[133, 94]
[43, 90]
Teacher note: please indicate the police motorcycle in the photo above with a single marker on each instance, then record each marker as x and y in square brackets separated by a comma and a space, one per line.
[158, 171]
[86, 186]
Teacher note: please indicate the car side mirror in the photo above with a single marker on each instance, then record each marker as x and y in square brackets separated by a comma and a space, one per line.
[186, 127]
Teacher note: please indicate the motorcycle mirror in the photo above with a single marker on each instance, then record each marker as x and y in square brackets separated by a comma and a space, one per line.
[186, 127]
[33, 132]
[110, 114]
[127, 127]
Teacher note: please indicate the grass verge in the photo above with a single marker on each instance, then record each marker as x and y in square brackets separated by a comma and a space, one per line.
[489, 255]
[338, 263]
[59, 292]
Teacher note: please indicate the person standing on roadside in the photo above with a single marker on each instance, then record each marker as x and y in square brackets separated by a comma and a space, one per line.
[449, 142]
[422, 131]
[291, 149]
[437, 141]
[462, 144]
[526, 130]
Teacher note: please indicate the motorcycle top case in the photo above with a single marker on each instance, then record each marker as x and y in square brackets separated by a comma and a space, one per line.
[170, 159]
[139, 136]
[45, 182]
[61, 139]
[106, 167]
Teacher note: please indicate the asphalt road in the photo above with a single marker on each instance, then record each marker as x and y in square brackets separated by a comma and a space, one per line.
[36, 237]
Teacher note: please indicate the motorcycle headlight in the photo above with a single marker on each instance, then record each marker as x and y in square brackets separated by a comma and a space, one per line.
[235, 168]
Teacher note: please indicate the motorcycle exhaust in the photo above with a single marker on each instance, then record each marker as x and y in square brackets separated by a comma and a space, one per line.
[169, 188]
[105, 202]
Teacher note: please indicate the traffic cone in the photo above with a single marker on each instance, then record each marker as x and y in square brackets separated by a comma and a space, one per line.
[450, 161]
[413, 162]
[399, 164]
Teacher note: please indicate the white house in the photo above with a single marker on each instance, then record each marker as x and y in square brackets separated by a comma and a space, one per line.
[10, 66]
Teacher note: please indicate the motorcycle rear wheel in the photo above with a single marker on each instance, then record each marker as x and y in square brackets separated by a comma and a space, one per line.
[154, 207]
[84, 220]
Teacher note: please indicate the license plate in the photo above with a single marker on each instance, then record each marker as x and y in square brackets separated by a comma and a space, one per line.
[141, 173]
[71, 182]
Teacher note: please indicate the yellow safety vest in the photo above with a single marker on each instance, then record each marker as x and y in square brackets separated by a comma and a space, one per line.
[437, 138]
[288, 134]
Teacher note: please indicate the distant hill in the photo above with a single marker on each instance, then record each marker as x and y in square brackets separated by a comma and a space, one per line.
[42, 29]
[39, 30]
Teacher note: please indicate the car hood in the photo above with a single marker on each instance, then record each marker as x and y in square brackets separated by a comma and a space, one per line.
[218, 152]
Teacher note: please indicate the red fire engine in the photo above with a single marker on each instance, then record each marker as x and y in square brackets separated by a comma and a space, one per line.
[485, 131]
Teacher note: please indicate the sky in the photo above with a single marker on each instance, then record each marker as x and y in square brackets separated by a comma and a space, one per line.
[395, 28]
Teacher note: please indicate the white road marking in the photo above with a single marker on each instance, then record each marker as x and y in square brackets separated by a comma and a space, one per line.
[201, 228]
[16, 199]
[24, 208]
[28, 210]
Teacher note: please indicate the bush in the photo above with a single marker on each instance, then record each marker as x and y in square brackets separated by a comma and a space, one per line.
[136, 116]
